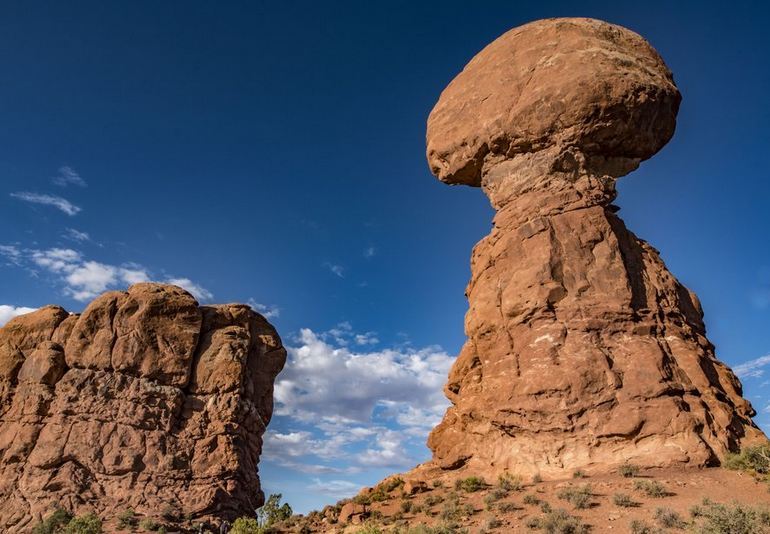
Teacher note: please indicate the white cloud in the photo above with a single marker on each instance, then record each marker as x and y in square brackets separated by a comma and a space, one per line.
[368, 338]
[267, 311]
[83, 279]
[12, 253]
[48, 200]
[338, 270]
[68, 176]
[76, 235]
[369, 252]
[9, 312]
[752, 368]
[197, 290]
[335, 488]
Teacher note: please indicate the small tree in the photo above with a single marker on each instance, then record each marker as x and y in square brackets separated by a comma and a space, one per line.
[273, 511]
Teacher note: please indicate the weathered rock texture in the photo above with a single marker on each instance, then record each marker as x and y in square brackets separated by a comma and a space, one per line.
[145, 400]
[583, 350]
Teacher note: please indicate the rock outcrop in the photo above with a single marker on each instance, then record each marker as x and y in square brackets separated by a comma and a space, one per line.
[146, 401]
[583, 351]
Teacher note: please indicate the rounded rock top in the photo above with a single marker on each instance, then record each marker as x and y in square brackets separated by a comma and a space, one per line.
[571, 82]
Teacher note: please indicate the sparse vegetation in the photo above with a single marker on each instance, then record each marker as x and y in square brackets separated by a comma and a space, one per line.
[53, 523]
[529, 498]
[651, 488]
[493, 496]
[640, 527]
[623, 500]
[433, 500]
[506, 507]
[579, 474]
[580, 497]
[126, 519]
[148, 524]
[406, 506]
[715, 518]
[470, 484]
[454, 510]
[668, 518]
[537, 479]
[545, 507]
[369, 528]
[628, 470]
[558, 522]
[753, 459]
[273, 511]
[62, 522]
[509, 482]
[491, 523]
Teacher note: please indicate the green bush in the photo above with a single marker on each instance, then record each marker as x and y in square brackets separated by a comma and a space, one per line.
[640, 527]
[628, 470]
[668, 518]
[580, 498]
[53, 523]
[406, 506]
[509, 482]
[651, 488]
[126, 519]
[579, 474]
[84, 524]
[623, 500]
[369, 528]
[273, 511]
[433, 500]
[506, 507]
[246, 525]
[470, 484]
[732, 519]
[561, 522]
[756, 459]
[530, 499]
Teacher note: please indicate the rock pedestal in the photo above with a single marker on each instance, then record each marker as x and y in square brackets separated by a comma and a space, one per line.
[145, 401]
[583, 351]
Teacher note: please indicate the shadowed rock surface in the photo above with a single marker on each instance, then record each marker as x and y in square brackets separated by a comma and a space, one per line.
[145, 401]
[583, 350]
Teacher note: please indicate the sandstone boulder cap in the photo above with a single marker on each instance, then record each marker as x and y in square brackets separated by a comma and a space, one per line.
[572, 82]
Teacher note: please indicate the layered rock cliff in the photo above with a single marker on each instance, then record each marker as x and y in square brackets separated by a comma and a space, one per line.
[583, 350]
[146, 401]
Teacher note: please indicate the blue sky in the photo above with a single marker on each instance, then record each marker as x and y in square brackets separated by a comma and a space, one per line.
[274, 154]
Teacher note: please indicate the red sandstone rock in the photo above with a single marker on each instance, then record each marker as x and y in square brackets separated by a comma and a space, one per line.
[145, 401]
[583, 352]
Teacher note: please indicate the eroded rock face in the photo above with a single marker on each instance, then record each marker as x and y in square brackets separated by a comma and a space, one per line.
[146, 401]
[583, 350]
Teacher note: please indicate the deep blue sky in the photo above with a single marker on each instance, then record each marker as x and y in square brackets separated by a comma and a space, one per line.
[257, 148]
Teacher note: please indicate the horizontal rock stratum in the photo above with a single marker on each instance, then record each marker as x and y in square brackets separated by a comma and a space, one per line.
[146, 400]
[583, 351]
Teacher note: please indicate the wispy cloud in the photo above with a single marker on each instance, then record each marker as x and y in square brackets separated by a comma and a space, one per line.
[48, 200]
[369, 252]
[68, 176]
[336, 269]
[267, 311]
[83, 279]
[8, 312]
[752, 368]
[76, 235]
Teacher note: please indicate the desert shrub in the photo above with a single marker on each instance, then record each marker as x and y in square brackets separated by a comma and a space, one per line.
[369, 528]
[126, 519]
[756, 459]
[532, 523]
[443, 528]
[628, 470]
[545, 507]
[509, 482]
[246, 525]
[492, 523]
[149, 524]
[84, 524]
[437, 484]
[494, 496]
[651, 488]
[640, 527]
[580, 497]
[696, 511]
[470, 484]
[623, 500]
[433, 500]
[506, 507]
[406, 506]
[561, 522]
[668, 518]
[530, 499]
[578, 474]
[53, 523]
[537, 479]
[392, 484]
[733, 519]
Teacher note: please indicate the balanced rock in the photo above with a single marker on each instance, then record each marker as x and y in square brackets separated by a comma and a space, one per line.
[583, 351]
[145, 401]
